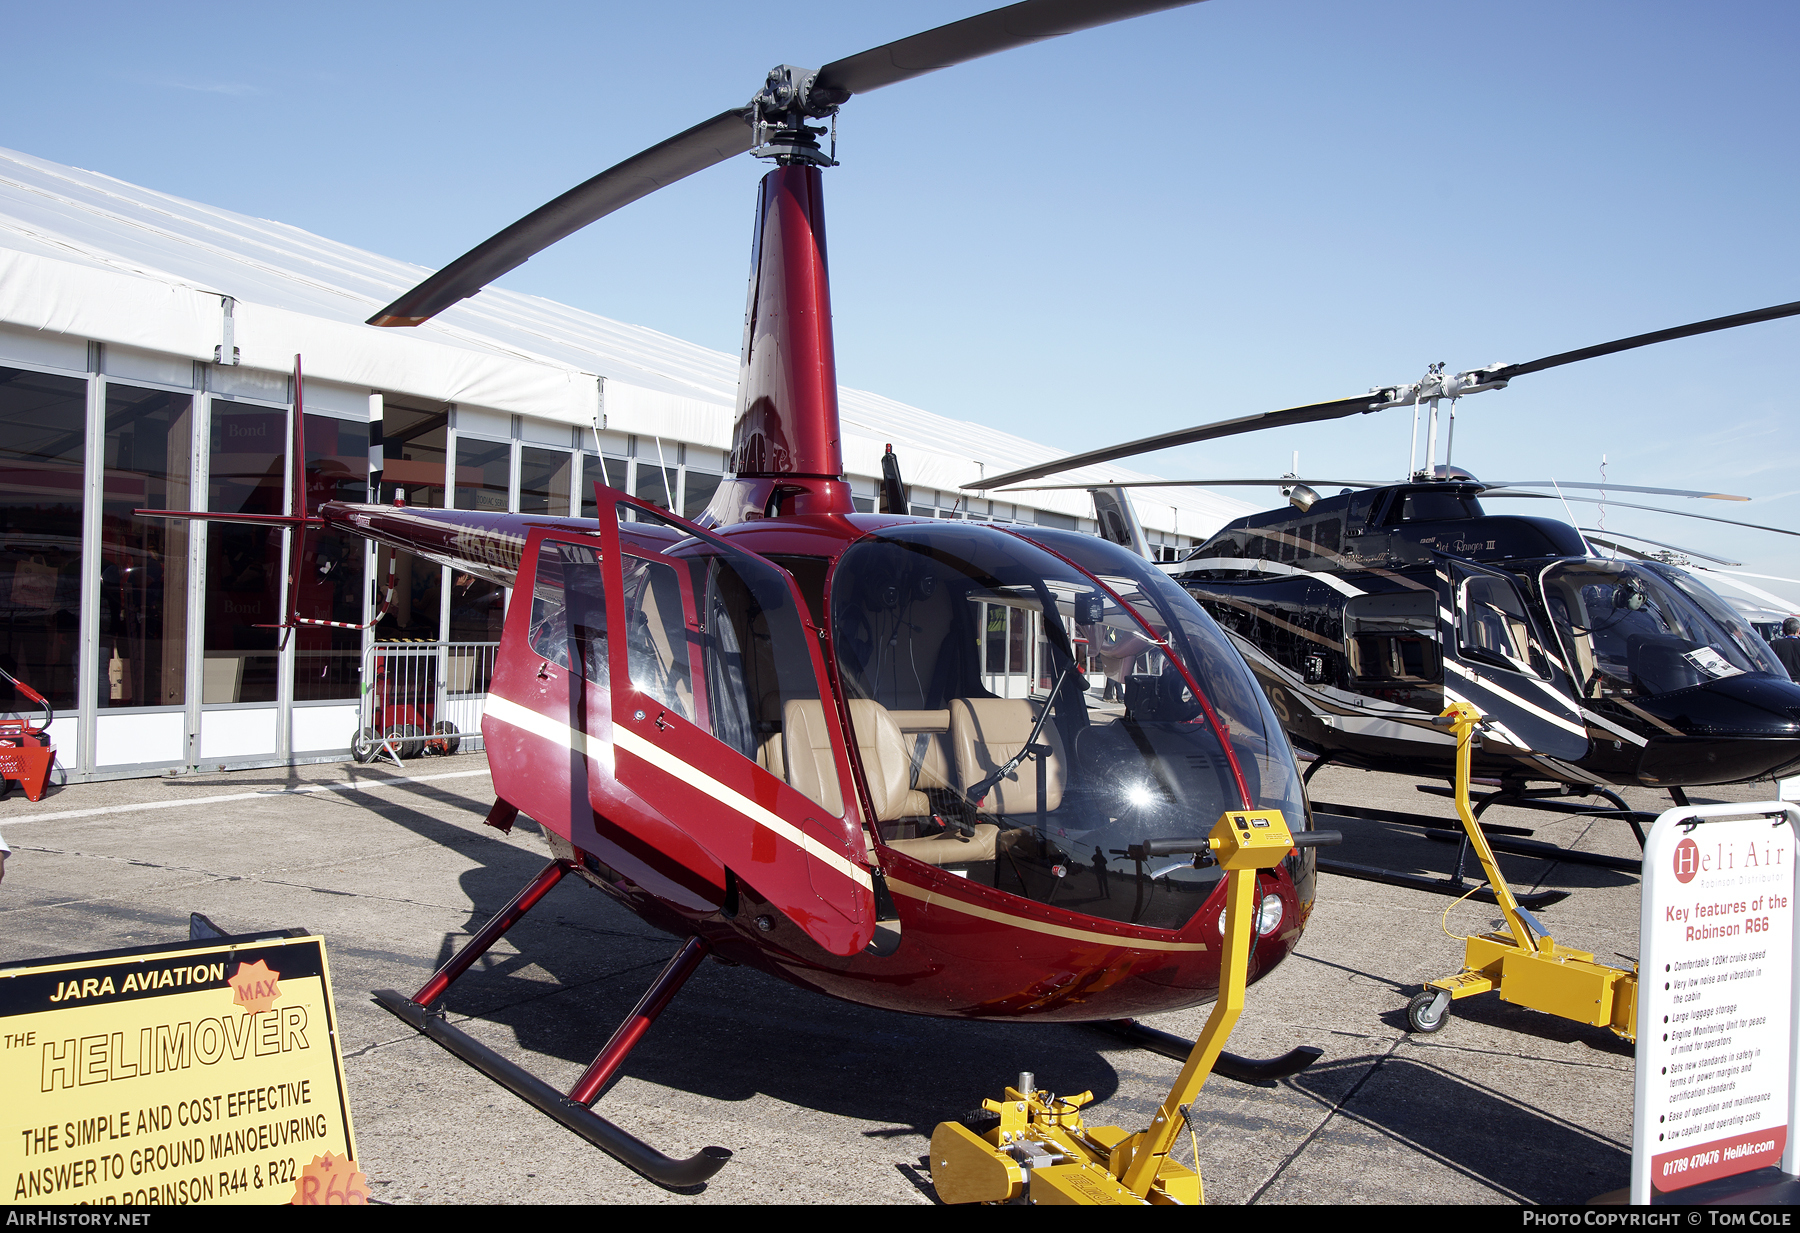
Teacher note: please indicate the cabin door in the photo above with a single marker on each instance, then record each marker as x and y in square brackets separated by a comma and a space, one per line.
[1497, 658]
[723, 721]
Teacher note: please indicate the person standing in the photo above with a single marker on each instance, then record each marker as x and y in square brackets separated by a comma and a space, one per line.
[1787, 646]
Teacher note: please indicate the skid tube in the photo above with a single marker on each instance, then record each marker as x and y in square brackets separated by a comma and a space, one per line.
[570, 1109]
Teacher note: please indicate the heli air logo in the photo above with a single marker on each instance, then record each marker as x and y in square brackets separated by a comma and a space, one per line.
[1687, 860]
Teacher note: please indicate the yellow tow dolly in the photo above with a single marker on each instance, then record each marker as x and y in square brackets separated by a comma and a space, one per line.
[1523, 962]
[1042, 1151]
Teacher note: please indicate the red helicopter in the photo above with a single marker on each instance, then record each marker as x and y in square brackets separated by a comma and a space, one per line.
[774, 732]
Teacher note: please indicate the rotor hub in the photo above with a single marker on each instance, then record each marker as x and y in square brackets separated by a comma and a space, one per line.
[791, 96]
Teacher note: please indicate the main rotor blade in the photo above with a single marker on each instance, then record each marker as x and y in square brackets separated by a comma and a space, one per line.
[974, 37]
[1309, 414]
[1660, 492]
[1285, 482]
[1546, 496]
[731, 133]
[1510, 371]
[700, 147]
[1595, 535]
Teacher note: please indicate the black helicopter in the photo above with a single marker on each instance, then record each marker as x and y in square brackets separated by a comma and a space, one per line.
[1365, 613]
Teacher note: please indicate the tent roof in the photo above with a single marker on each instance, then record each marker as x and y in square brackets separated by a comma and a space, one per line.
[75, 232]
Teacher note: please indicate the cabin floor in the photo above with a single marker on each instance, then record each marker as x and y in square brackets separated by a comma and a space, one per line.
[823, 1101]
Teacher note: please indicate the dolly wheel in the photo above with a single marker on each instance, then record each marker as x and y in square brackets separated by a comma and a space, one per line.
[1429, 1011]
[364, 744]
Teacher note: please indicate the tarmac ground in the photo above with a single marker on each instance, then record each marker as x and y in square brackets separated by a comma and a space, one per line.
[820, 1100]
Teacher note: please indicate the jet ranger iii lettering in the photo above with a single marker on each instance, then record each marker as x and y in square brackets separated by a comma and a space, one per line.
[788, 733]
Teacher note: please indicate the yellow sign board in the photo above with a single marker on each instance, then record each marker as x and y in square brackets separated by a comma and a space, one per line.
[207, 1072]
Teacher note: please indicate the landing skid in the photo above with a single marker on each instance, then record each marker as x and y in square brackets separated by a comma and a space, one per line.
[1230, 1065]
[571, 1109]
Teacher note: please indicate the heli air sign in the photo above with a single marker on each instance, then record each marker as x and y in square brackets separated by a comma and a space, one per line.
[1716, 1064]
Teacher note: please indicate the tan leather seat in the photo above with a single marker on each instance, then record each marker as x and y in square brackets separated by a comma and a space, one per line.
[985, 733]
[927, 736]
[947, 849]
[886, 761]
[806, 750]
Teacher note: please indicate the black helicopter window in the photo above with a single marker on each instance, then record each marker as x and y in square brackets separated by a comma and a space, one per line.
[1393, 638]
[1494, 627]
[1018, 724]
[1437, 506]
[568, 608]
[1630, 629]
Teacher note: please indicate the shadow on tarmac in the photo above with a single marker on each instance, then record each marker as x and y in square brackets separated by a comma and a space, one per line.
[1520, 1151]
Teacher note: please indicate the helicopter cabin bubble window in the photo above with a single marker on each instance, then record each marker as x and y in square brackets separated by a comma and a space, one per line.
[715, 638]
[1039, 791]
[1638, 629]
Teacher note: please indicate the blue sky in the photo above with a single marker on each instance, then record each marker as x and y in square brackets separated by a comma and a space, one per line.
[1230, 208]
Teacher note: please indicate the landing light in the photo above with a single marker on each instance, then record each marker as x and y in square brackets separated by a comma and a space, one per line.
[1268, 916]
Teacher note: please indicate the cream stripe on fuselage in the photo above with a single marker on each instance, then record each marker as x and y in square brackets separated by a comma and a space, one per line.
[538, 724]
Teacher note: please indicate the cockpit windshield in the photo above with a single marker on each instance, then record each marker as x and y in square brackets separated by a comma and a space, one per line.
[1023, 720]
[1638, 628]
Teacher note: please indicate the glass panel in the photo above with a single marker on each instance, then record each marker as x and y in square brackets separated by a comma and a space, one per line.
[244, 563]
[483, 474]
[328, 661]
[1496, 628]
[544, 481]
[1040, 796]
[568, 608]
[656, 637]
[698, 493]
[656, 485]
[415, 447]
[477, 608]
[753, 688]
[43, 442]
[594, 469]
[483, 482]
[144, 561]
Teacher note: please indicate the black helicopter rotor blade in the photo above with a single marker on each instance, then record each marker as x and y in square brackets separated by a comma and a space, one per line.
[1659, 492]
[974, 37]
[712, 141]
[732, 132]
[1509, 371]
[1595, 535]
[1679, 513]
[1287, 481]
[1375, 399]
[1312, 413]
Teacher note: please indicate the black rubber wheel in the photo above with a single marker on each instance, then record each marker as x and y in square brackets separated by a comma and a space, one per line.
[364, 744]
[1421, 1015]
[406, 740]
[440, 744]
